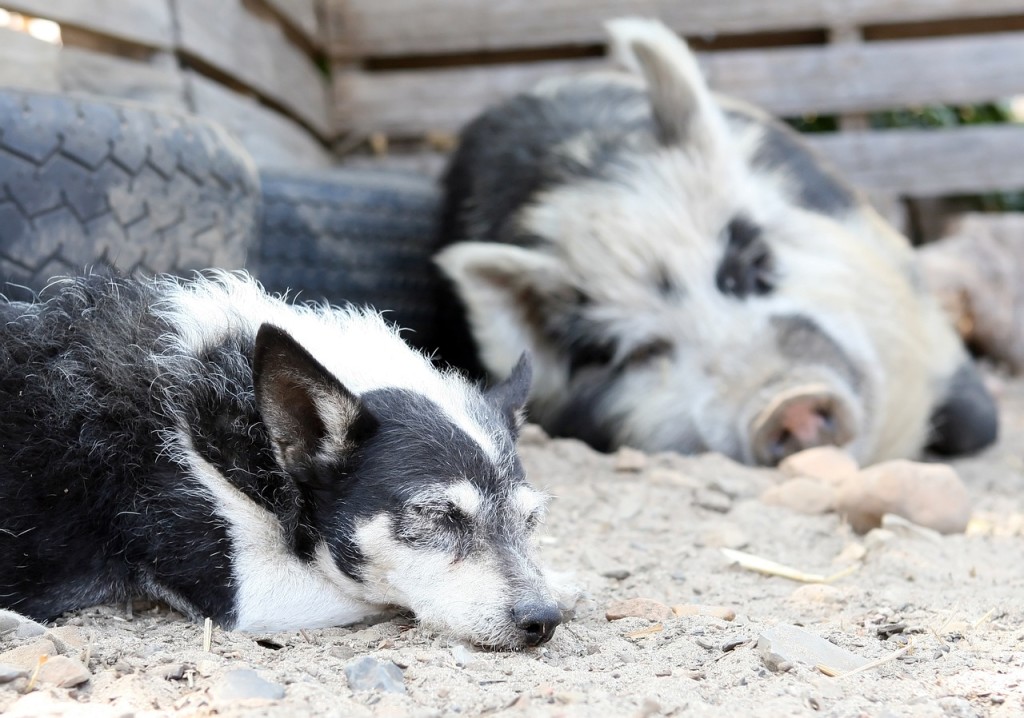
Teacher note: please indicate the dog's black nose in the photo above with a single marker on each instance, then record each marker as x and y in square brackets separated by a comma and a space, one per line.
[537, 620]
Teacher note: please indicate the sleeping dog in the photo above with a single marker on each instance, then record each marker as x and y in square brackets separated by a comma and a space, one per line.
[267, 465]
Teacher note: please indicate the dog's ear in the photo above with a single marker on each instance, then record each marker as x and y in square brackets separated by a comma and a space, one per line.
[511, 394]
[513, 296]
[310, 415]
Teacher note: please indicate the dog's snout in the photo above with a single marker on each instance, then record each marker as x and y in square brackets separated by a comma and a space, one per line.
[536, 620]
[798, 421]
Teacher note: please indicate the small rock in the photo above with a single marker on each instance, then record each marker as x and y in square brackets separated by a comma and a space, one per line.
[638, 608]
[342, 652]
[67, 638]
[828, 464]
[169, 671]
[27, 656]
[818, 593]
[672, 477]
[695, 609]
[783, 646]
[9, 673]
[802, 494]
[619, 574]
[649, 707]
[241, 684]
[931, 495]
[19, 626]
[367, 674]
[462, 655]
[629, 460]
[713, 500]
[63, 672]
[532, 435]
[853, 553]
[724, 534]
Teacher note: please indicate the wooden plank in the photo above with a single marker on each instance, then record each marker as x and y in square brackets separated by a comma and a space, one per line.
[411, 103]
[864, 77]
[146, 22]
[160, 84]
[272, 139]
[302, 16]
[32, 64]
[927, 163]
[382, 28]
[256, 53]
[884, 164]
[28, 63]
[839, 78]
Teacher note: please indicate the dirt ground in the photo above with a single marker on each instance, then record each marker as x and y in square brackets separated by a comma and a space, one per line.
[944, 617]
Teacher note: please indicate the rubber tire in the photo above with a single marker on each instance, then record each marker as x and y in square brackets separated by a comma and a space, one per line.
[353, 236]
[94, 184]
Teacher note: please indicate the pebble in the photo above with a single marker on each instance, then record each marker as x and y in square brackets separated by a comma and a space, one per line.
[784, 645]
[828, 464]
[367, 674]
[67, 638]
[241, 684]
[713, 500]
[852, 553]
[532, 435]
[63, 672]
[9, 673]
[696, 609]
[629, 460]
[724, 534]
[803, 495]
[27, 656]
[638, 608]
[169, 671]
[42, 703]
[931, 495]
[818, 593]
[462, 655]
[19, 626]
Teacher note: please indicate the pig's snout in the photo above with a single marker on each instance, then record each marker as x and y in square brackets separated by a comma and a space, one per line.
[800, 419]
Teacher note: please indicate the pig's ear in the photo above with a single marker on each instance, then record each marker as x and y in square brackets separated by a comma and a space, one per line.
[967, 419]
[681, 103]
[509, 293]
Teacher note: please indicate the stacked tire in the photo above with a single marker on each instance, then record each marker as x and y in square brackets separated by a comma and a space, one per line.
[95, 185]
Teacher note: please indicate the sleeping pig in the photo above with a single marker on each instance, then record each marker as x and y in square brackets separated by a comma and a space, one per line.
[689, 276]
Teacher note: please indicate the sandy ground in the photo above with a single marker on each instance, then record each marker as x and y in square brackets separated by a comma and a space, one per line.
[944, 616]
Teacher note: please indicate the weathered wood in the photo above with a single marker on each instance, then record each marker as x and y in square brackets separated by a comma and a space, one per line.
[923, 163]
[302, 16]
[32, 64]
[146, 22]
[272, 139]
[381, 28]
[160, 84]
[789, 82]
[28, 63]
[255, 52]
[884, 163]
[410, 103]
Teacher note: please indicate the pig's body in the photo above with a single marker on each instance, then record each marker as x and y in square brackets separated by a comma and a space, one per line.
[689, 276]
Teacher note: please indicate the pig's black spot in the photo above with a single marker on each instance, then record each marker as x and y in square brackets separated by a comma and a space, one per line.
[816, 188]
[747, 267]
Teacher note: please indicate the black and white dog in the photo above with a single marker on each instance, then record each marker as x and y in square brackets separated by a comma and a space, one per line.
[267, 465]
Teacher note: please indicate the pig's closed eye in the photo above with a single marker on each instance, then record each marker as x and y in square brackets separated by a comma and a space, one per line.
[747, 267]
[649, 351]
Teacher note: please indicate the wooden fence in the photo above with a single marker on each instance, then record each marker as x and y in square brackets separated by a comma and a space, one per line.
[413, 69]
[253, 65]
[305, 81]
